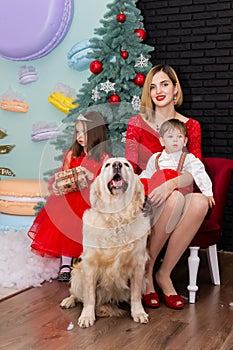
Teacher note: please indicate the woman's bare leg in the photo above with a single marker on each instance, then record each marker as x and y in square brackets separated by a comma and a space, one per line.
[195, 209]
[166, 218]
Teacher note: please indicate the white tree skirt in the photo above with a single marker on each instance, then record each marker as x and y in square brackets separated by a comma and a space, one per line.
[19, 267]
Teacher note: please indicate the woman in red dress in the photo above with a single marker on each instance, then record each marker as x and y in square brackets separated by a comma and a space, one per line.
[161, 95]
[57, 229]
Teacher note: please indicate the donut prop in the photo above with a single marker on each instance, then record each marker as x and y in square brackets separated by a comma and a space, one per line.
[20, 196]
[31, 29]
[77, 56]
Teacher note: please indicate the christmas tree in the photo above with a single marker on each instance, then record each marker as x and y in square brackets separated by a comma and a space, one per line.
[120, 64]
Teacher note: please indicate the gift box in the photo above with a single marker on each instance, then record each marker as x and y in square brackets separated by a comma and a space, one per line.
[70, 180]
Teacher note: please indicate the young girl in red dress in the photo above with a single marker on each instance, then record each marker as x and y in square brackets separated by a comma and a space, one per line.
[57, 229]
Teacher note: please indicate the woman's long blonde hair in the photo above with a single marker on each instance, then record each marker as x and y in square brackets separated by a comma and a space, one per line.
[147, 105]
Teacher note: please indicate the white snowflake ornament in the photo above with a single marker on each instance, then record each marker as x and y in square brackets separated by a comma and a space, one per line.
[107, 86]
[141, 62]
[95, 94]
[123, 137]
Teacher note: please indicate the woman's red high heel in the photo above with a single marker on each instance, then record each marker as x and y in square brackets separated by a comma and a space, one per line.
[150, 300]
[174, 301]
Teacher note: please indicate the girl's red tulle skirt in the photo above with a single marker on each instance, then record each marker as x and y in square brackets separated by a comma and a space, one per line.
[57, 229]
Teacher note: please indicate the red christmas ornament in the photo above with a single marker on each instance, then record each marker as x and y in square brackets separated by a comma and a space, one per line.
[141, 33]
[121, 17]
[124, 54]
[96, 67]
[114, 98]
[139, 79]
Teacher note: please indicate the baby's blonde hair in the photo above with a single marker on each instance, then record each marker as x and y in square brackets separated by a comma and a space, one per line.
[172, 124]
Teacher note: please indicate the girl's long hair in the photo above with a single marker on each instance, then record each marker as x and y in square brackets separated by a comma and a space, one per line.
[96, 133]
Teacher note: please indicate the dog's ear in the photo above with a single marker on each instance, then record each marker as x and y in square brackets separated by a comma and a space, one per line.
[93, 187]
[95, 191]
[147, 207]
[139, 193]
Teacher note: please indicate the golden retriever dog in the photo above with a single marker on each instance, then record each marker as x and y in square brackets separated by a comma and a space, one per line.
[115, 232]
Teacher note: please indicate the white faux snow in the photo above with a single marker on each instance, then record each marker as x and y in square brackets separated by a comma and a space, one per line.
[19, 267]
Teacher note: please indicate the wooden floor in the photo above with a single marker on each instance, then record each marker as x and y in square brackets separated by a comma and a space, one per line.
[33, 319]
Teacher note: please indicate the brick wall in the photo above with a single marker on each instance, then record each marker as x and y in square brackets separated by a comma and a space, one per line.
[195, 37]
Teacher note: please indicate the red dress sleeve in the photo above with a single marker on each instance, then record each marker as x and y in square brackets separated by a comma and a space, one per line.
[133, 138]
[141, 142]
[194, 137]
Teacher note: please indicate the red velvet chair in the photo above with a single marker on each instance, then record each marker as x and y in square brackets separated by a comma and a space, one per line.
[209, 235]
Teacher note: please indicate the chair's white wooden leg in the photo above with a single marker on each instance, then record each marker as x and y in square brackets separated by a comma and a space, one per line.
[193, 264]
[212, 256]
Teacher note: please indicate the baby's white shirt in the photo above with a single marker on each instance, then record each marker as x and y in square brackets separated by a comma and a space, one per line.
[192, 164]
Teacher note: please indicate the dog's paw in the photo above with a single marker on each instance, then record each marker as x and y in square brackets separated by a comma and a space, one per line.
[68, 302]
[85, 322]
[142, 317]
[87, 317]
[138, 313]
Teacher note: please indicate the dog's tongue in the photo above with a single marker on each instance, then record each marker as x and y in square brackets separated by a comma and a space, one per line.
[117, 182]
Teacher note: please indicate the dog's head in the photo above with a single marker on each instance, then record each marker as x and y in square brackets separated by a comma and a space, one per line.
[116, 187]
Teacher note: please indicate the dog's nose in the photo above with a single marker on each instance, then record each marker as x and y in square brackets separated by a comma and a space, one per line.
[117, 167]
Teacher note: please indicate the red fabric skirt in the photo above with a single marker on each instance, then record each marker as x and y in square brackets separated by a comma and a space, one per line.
[57, 229]
[161, 176]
